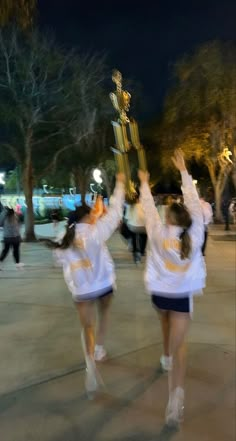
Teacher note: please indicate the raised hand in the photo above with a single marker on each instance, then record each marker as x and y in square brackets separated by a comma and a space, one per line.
[143, 176]
[178, 160]
[120, 177]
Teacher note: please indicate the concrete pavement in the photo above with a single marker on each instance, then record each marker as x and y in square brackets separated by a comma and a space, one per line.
[42, 394]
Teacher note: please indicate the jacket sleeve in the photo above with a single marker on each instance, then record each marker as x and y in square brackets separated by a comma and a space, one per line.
[153, 221]
[207, 213]
[106, 225]
[192, 202]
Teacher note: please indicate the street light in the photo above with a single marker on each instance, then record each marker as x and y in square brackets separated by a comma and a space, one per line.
[97, 176]
[2, 178]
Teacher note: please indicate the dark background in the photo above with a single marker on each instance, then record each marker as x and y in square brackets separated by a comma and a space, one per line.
[143, 38]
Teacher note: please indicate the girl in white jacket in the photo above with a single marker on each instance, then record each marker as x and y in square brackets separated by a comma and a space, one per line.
[89, 274]
[175, 271]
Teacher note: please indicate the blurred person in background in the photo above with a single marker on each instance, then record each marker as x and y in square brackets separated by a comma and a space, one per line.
[136, 225]
[207, 213]
[11, 236]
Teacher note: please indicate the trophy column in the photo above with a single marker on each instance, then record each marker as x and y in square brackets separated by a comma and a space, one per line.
[134, 134]
[121, 152]
[121, 102]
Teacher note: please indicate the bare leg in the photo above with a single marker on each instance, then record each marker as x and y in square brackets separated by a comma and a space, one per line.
[179, 325]
[165, 326]
[86, 312]
[103, 311]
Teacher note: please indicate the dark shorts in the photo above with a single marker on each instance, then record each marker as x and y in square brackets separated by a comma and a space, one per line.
[90, 297]
[107, 293]
[169, 304]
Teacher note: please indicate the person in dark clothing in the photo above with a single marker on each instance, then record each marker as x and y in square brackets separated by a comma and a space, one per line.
[72, 216]
[225, 212]
[55, 216]
[136, 225]
[11, 236]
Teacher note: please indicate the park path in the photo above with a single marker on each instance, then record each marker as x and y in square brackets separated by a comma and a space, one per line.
[42, 371]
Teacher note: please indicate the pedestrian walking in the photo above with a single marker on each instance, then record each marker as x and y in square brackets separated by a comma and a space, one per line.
[225, 211]
[89, 274]
[232, 210]
[175, 272]
[55, 216]
[136, 225]
[11, 236]
[207, 213]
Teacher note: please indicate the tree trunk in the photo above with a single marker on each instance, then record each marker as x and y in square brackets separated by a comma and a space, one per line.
[234, 176]
[219, 188]
[28, 191]
[82, 182]
[218, 211]
[218, 182]
[18, 180]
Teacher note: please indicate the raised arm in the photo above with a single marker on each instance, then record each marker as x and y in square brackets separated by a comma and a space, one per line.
[152, 219]
[191, 198]
[106, 225]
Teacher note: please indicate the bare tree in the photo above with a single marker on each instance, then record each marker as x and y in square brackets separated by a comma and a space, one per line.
[44, 94]
[90, 153]
[95, 113]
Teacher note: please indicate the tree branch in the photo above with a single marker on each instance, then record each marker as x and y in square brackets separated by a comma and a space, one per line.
[13, 152]
[53, 163]
[212, 173]
[41, 141]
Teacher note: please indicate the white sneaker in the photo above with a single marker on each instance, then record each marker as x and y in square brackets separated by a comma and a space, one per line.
[91, 383]
[166, 363]
[20, 265]
[93, 379]
[175, 407]
[99, 353]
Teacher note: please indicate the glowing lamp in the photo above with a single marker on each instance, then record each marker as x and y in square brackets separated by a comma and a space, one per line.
[97, 176]
[2, 179]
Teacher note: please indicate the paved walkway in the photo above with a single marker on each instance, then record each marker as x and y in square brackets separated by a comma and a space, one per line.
[42, 394]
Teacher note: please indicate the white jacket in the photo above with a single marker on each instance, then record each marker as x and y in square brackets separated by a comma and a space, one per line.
[207, 212]
[87, 265]
[135, 217]
[165, 272]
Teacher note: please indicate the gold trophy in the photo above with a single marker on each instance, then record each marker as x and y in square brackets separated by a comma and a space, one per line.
[121, 102]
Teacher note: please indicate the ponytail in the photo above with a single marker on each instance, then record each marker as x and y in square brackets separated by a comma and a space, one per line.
[186, 244]
[179, 215]
[69, 237]
[66, 241]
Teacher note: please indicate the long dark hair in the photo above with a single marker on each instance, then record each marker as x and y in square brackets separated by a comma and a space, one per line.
[10, 215]
[178, 215]
[69, 236]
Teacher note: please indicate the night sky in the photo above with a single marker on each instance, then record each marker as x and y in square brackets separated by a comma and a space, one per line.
[144, 38]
